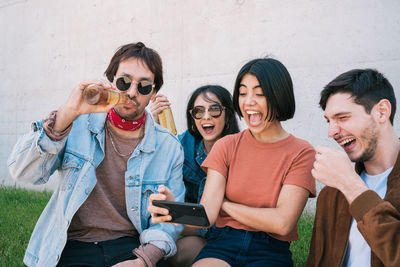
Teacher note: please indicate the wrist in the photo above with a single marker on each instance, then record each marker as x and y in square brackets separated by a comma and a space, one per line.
[65, 116]
[155, 118]
[353, 188]
[70, 109]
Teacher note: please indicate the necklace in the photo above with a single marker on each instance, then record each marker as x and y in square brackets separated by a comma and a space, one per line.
[113, 144]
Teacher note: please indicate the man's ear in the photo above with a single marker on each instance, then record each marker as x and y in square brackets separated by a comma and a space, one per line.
[383, 110]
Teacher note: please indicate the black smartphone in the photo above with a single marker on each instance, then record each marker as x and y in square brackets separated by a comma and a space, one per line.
[184, 212]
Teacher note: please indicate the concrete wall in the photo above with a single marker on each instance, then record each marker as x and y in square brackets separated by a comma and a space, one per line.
[48, 46]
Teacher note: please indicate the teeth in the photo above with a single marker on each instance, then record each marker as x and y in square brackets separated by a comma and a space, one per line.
[346, 141]
[208, 125]
[250, 112]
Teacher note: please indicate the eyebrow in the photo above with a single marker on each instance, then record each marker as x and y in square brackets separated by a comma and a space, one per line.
[212, 104]
[339, 114]
[257, 86]
[140, 78]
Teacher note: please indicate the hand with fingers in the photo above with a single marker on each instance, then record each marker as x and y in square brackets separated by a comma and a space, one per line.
[333, 168]
[158, 104]
[81, 107]
[158, 214]
[76, 106]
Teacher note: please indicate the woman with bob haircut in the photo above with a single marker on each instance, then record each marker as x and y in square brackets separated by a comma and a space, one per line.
[209, 116]
[259, 180]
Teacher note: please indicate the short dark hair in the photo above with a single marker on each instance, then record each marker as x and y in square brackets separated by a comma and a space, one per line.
[276, 85]
[137, 50]
[223, 95]
[366, 86]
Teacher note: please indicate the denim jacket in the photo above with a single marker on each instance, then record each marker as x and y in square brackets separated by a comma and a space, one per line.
[157, 160]
[193, 176]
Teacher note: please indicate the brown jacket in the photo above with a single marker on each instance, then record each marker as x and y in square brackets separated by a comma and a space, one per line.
[377, 220]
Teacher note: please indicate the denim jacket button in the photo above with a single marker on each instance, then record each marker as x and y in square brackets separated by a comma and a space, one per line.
[87, 191]
[133, 209]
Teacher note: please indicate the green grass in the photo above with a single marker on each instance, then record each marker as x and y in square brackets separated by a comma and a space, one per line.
[20, 209]
[301, 247]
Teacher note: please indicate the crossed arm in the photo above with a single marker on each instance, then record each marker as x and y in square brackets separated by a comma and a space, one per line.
[279, 220]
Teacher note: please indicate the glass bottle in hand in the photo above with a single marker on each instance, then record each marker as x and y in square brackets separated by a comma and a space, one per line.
[94, 94]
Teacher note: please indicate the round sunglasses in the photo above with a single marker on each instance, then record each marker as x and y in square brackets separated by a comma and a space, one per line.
[198, 112]
[143, 87]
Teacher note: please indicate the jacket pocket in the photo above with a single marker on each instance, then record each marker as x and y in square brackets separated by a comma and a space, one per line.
[70, 168]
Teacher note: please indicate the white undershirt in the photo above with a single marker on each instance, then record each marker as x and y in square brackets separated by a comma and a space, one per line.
[358, 251]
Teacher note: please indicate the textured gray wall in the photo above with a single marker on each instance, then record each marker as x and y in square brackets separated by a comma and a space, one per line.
[47, 47]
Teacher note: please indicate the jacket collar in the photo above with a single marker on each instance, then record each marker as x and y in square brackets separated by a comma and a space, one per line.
[96, 123]
[149, 141]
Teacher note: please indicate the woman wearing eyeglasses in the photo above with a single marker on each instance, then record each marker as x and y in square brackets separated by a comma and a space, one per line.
[259, 180]
[209, 116]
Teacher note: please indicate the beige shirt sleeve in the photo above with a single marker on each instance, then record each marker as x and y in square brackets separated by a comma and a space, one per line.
[48, 127]
[149, 254]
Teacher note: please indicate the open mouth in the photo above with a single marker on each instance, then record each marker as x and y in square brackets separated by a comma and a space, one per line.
[254, 118]
[208, 128]
[347, 143]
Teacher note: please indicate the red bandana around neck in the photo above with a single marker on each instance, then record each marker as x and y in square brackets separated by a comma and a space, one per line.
[123, 124]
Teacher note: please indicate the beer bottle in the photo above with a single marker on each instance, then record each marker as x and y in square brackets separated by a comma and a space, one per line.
[167, 120]
[94, 94]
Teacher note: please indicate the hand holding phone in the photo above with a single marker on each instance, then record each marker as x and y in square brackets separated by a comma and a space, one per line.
[185, 213]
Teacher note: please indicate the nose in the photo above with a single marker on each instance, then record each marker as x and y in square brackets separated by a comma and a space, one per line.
[206, 115]
[249, 99]
[132, 91]
[333, 130]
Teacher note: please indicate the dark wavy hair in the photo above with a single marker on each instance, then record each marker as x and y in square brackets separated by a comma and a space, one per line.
[366, 86]
[223, 95]
[137, 50]
[276, 84]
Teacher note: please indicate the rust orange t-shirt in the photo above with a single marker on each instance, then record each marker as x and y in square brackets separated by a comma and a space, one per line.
[256, 172]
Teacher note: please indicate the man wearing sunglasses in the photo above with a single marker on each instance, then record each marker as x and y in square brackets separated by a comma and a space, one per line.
[110, 158]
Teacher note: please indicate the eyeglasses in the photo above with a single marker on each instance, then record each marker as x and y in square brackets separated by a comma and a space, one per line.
[198, 112]
[143, 87]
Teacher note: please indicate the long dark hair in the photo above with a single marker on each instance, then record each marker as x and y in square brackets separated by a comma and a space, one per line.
[223, 95]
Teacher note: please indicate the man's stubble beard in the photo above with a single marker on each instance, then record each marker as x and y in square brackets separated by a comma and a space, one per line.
[370, 135]
[132, 116]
